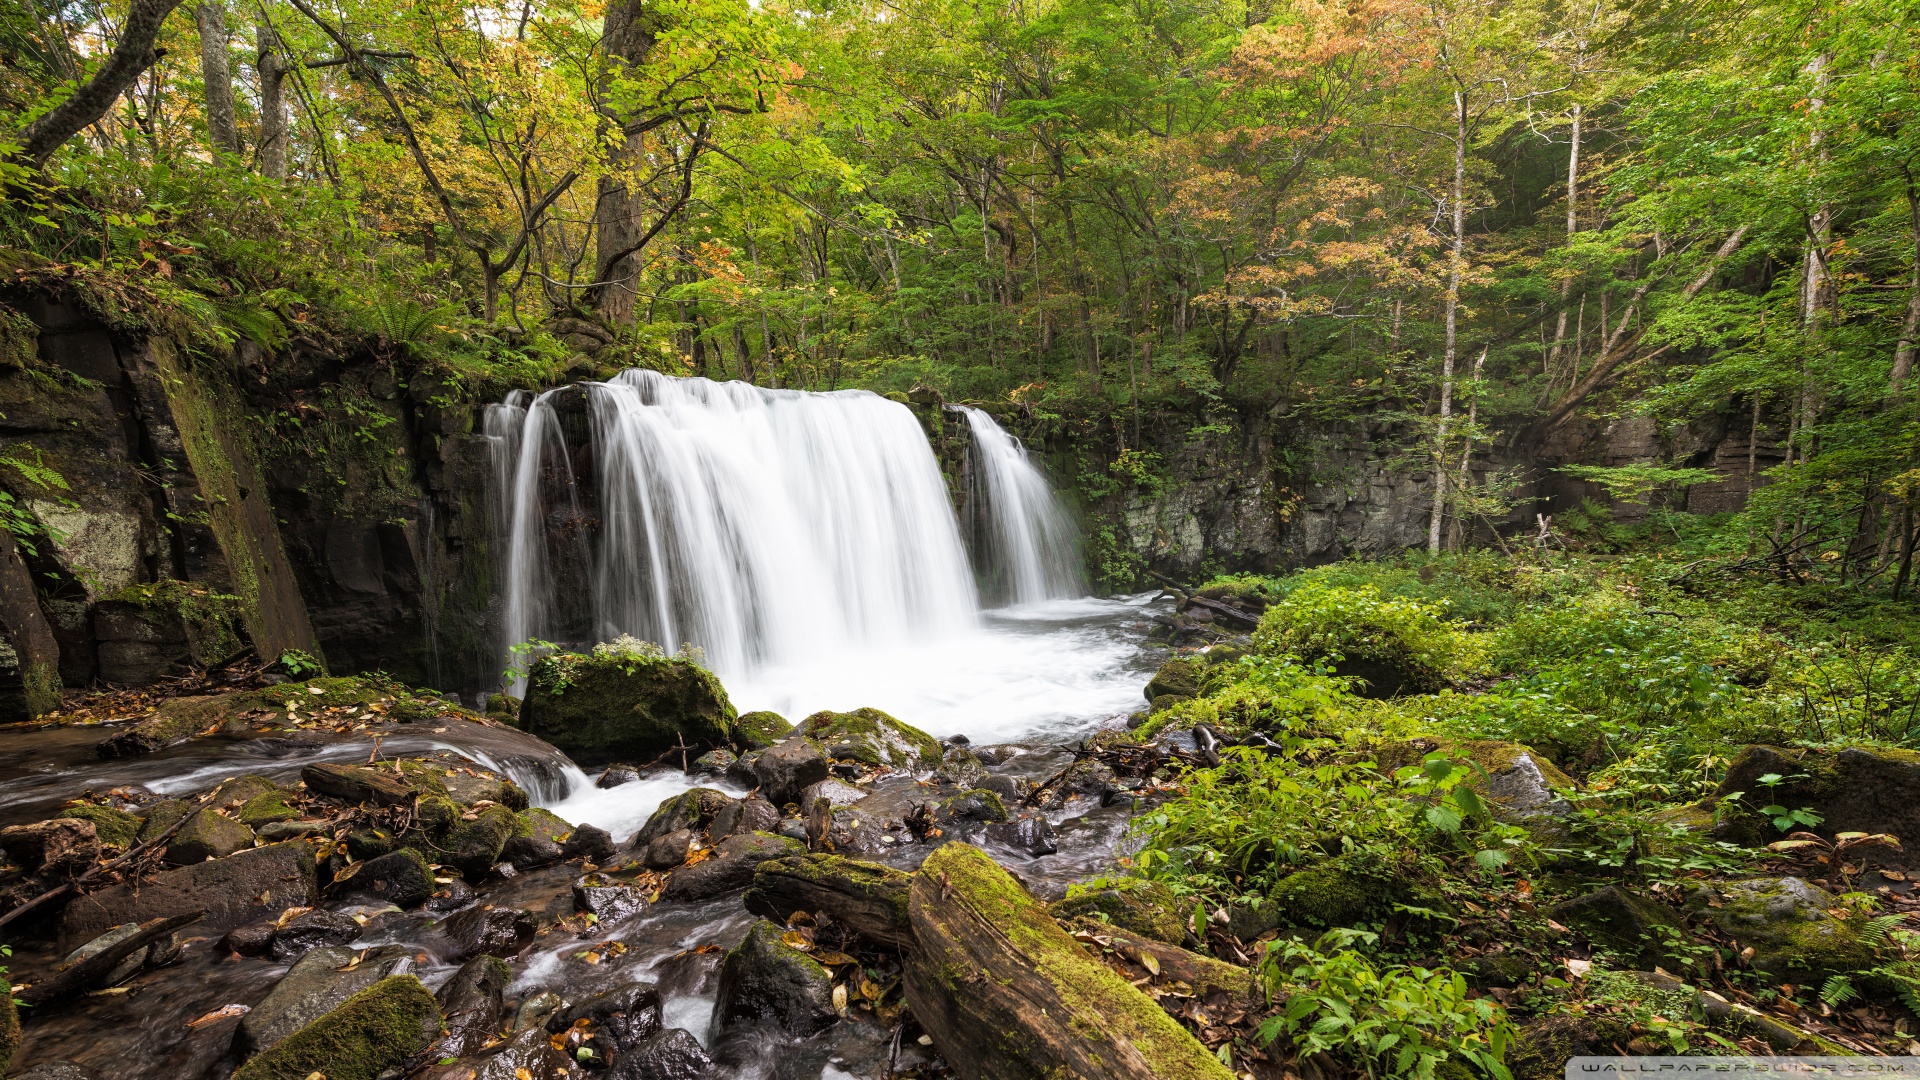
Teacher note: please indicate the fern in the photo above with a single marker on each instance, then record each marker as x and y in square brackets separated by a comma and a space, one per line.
[1878, 933]
[1838, 990]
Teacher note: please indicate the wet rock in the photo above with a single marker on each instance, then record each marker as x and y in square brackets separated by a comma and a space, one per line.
[669, 851]
[1787, 923]
[469, 787]
[304, 933]
[961, 767]
[452, 896]
[624, 707]
[108, 960]
[252, 939]
[1541, 1048]
[622, 1017]
[759, 730]
[364, 844]
[317, 984]
[60, 848]
[673, 1054]
[690, 810]
[533, 1012]
[358, 784]
[55, 1070]
[741, 772]
[368, 1034]
[765, 980]
[490, 930]
[730, 867]
[605, 899]
[714, 763]
[748, 815]
[1086, 779]
[530, 852]
[1147, 908]
[838, 793]
[1640, 931]
[401, 878]
[278, 831]
[266, 808]
[1028, 834]
[175, 721]
[233, 891]
[590, 843]
[1859, 789]
[474, 846]
[784, 772]
[979, 806]
[207, 835]
[529, 1055]
[1011, 789]
[615, 775]
[872, 738]
[473, 1004]
[866, 898]
[116, 829]
[793, 829]
[1178, 679]
[160, 816]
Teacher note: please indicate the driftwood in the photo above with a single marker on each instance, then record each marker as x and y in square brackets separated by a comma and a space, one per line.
[1226, 611]
[1006, 994]
[77, 978]
[358, 784]
[867, 899]
[1169, 963]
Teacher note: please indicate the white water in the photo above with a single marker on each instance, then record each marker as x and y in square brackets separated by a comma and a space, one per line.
[1029, 549]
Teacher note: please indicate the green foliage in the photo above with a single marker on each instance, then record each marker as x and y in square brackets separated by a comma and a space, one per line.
[1335, 623]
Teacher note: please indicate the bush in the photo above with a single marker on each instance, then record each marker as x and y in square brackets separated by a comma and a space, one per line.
[1362, 632]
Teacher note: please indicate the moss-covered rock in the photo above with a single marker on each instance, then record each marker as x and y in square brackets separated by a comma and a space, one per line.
[10, 1034]
[401, 878]
[117, 829]
[760, 729]
[207, 835]
[625, 706]
[543, 823]
[691, 810]
[764, 979]
[1791, 929]
[1642, 932]
[1177, 680]
[474, 846]
[1859, 789]
[265, 809]
[160, 817]
[1147, 908]
[1521, 784]
[437, 816]
[504, 708]
[978, 805]
[1327, 896]
[1542, 1048]
[370, 843]
[372, 1032]
[871, 737]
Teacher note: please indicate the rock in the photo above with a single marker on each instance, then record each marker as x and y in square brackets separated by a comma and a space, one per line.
[866, 898]
[871, 737]
[473, 1004]
[615, 775]
[267, 808]
[838, 793]
[51, 1070]
[1090, 779]
[175, 720]
[449, 898]
[605, 899]
[1178, 679]
[1642, 932]
[623, 1017]
[401, 878]
[374, 1031]
[689, 810]
[252, 939]
[1011, 789]
[530, 852]
[313, 987]
[784, 772]
[116, 830]
[1144, 907]
[366, 844]
[358, 784]
[533, 1012]
[765, 980]
[1248, 921]
[589, 843]
[240, 790]
[625, 707]
[1518, 780]
[714, 763]
[741, 771]
[233, 891]
[1005, 992]
[504, 708]
[529, 1055]
[1028, 834]
[750, 814]
[977, 806]
[491, 930]
[279, 831]
[1859, 789]
[304, 933]
[471, 786]
[759, 730]
[59, 848]
[1787, 923]
[1328, 896]
[730, 867]
[673, 1054]
[10, 1033]
[474, 846]
[961, 767]
[1542, 1047]
[207, 835]
[160, 817]
[669, 851]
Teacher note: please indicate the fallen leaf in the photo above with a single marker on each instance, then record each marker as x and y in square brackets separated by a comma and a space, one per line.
[221, 1013]
[1579, 968]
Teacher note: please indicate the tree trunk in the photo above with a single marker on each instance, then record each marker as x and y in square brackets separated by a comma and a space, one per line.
[1454, 272]
[628, 38]
[273, 102]
[215, 73]
[132, 54]
[866, 898]
[1573, 226]
[1903, 352]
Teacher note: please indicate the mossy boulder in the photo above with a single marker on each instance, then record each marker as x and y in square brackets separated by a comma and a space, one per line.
[265, 809]
[1178, 679]
[760, 729]
[1327, 896]
[1859, 789]
[401, 878]
[369, 1034]
[540, 822]
[1790, 927]
[766, 980]
[1390, 645]
[691, 810]
[871, 737]
[1520, 784]
[1147, 908]
[1642, 932]
[117, 829]
[474, 846]
[504, 708]
[625, 706]
[160, 817]
[979, 805]
[207, 835]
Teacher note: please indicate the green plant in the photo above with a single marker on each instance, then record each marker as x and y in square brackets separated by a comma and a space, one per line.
[300, 665]
[1341, 624]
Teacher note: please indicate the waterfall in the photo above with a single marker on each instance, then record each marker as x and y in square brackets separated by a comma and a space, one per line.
[764, 526]
[1024, 541]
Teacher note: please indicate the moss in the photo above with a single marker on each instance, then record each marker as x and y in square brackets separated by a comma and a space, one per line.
[161, 816]
[373, 1031]
[1326, 896]
[207, 835]
[437, 815]
[625, 706]
[475, 845]
[1147, 908]
[761, 729]
[504, 708]
[364, 844]
[1787, 922]
[871, 737]
[265, 809]
[543, 823]
[1180, 677]
[116, 828]
[1636, 929]
[837, 873]
[1103, 1007]
[10, 1034]
[208, 615]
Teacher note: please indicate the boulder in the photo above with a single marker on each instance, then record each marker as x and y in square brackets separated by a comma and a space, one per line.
[838, 793]
[116, 830]
[266, 808]
[207, 835]
[866, 898]
[469, 787]
[872, 738]
[1790, 928]
[759, 730]
[1640, 931]
[59, 848]
[490, 930]
[606, 899]
[473, 847]
[175, 720]
[1328, 896]
[318, 983]
[589, 843]
[673, 1054]
[1090, 779]
[622, 1018]
[1004, 992]
[528, 1055]
[1177, 680]
[766, 980]
[1516, 779]
[1029, 834]
[961, 767]
[473, 1004]
[233, 891]
[1147, 908]
[689, 810]
[747, 815]
[784, 772]
[401, 878]
[369, 1034]
[304, 933]
[714, 763]
[358, 784]
[669, 851]
[978, 806]
[730, 867]
[1859, 789]
[615, 775]
[625, 706]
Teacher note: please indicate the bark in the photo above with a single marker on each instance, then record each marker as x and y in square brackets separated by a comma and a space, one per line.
[866, 898]
[272, 152]
[628, 39]
[1910, 330]
[1573, 226]
[132, 54]
[1008, 995]
[215, 73]
[1454, 272]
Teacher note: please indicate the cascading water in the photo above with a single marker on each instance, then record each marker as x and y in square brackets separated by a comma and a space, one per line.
[1026, 547]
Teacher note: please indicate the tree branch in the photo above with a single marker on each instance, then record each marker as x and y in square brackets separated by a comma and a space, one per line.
[132, 54]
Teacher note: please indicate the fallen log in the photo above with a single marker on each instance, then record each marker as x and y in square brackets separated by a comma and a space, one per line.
[79, 977]
[1169, 965]
[1226, 611]
[868, 899]
[1006, 994]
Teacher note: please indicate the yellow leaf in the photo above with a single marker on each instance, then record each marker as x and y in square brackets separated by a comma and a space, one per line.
[834, 959]
[1150, 962]
[840, 999]
[798, 940]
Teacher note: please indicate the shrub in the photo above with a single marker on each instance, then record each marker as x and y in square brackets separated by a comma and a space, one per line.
[1360, 629]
